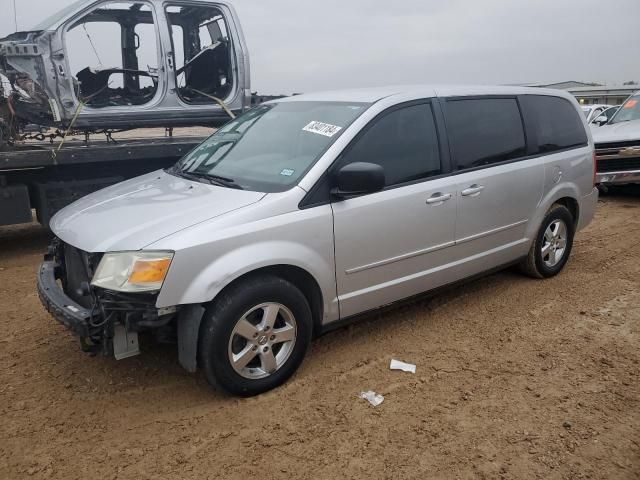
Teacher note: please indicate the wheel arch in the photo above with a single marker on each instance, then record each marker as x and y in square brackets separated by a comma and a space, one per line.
[573, 206]
[293, 261]
[297, 276]
[565, 194]
[191, 316]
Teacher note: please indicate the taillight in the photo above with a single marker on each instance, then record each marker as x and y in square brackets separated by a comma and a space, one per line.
[595, 168]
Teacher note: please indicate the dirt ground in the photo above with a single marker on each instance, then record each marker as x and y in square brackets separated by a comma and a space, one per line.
[516, 378]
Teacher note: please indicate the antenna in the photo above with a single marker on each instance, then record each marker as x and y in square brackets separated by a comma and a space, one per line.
[15, 15]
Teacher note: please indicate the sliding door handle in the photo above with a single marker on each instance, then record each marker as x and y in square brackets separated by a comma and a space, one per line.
[438, 198]
[472, 191]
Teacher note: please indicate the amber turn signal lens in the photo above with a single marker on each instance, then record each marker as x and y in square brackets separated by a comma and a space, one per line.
[149, 271]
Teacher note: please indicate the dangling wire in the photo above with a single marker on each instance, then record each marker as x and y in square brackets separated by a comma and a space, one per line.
[84, 26]
[54, 153]
[15, 15]
[81, 104]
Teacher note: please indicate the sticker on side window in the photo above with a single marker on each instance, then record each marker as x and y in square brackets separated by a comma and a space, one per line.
[320, 128]
[630, 104]
[287, 172]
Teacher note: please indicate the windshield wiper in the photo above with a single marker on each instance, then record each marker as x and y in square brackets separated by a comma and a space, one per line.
[209, 177]
[219, 180]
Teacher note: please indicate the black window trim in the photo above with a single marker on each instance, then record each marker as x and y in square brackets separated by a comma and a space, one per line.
[446, 156]
[519, 159]
[531, 140]
[443, 150]
[528, 144]
[531, 131]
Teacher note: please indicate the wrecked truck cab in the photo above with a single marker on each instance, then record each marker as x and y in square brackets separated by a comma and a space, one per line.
[26, 90]
[100, 65]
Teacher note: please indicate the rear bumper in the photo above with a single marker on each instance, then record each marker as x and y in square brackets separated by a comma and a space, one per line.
[69, 313]
[588, 205]
[618, 178]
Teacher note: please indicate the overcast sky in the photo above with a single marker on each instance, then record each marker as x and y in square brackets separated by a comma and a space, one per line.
[302, 45]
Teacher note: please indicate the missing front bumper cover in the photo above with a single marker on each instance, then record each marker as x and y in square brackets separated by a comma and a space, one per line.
[110, 328]
[69, 313]
[108, 322]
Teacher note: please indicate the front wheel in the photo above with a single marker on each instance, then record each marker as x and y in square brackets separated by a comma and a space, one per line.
[254, 336]
[551, 248]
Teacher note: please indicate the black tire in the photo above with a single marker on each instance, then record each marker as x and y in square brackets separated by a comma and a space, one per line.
[535, 265]
[223, 315]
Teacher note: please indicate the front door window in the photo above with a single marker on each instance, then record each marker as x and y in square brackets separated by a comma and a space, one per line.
[113, 55]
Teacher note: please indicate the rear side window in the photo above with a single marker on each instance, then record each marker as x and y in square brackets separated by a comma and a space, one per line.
[484, 131]
[555, 123]
[403, 142]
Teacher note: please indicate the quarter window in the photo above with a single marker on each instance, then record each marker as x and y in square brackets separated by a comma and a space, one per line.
[404, 142]
[555, 122]
[484, 131]
[202, 53]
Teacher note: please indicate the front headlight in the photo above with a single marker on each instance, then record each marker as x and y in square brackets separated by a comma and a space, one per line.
[132, 271]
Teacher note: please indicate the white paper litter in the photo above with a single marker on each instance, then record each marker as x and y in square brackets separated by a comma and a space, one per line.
[372, 397]
[405, 367]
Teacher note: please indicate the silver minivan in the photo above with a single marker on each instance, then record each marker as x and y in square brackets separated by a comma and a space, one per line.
[307, 212]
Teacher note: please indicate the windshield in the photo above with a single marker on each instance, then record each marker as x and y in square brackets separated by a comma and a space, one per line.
[269, 148]
[630, 110]
[609, 112]
[50, 22]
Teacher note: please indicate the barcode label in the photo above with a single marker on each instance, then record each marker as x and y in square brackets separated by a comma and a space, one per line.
[320, 128]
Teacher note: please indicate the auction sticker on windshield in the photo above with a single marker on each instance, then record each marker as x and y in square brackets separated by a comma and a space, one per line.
[320, 128]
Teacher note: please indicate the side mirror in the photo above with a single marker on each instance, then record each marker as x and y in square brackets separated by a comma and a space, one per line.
[359, 178]
[601, 120]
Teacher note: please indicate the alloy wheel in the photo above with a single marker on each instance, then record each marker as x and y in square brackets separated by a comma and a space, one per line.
[554, 243]
[262, 340]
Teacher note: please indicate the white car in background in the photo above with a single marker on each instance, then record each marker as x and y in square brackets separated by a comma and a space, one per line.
[604, 117]
[592, 112]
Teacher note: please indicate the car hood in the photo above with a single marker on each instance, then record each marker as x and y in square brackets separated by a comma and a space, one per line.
[617, 132]
[140, 211]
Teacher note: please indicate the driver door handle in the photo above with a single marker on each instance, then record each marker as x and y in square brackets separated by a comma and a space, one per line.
[472, 191]
[438, 198]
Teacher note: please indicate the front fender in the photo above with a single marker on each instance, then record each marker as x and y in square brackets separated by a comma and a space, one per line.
[211, 279]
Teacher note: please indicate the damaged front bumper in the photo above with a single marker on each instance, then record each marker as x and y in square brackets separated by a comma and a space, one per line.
[98, 330]
[108, 322]
[69, 313]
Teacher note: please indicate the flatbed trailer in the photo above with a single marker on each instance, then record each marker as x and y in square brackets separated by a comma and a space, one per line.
[47, 177]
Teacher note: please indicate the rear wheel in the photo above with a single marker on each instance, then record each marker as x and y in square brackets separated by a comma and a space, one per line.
[255, 335]
[551, 248]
